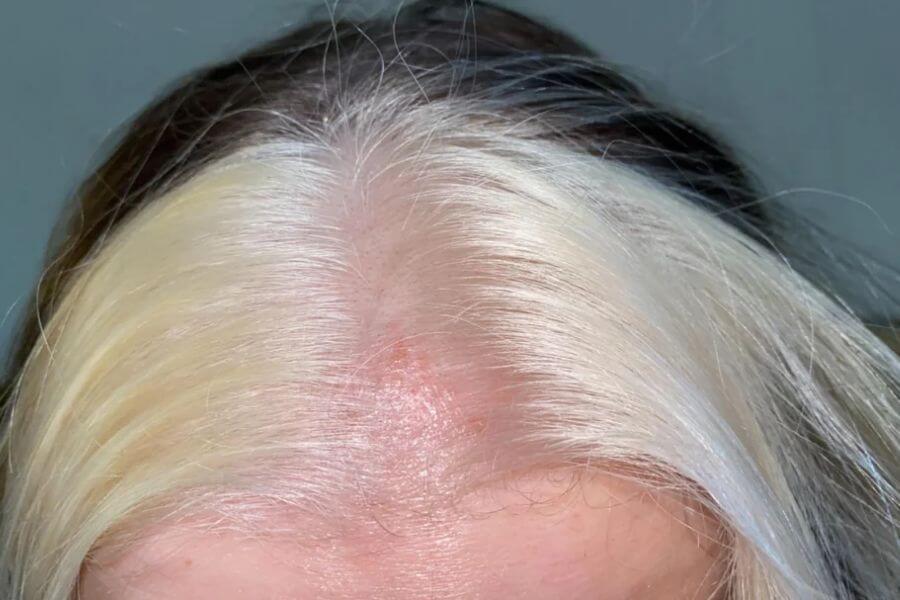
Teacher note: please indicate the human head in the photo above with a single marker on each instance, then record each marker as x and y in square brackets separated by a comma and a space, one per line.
[552, 273]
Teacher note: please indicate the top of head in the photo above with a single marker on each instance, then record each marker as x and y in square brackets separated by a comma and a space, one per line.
[400, 351]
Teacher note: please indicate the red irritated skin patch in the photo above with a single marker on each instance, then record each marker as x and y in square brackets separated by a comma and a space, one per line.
[543, 534]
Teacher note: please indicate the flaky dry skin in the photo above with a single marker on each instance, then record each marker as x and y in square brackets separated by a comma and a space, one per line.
[408, 533]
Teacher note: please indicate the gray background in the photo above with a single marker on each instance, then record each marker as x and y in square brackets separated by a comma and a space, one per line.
[808, 91]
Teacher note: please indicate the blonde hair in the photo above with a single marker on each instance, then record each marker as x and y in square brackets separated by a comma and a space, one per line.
[201, 354]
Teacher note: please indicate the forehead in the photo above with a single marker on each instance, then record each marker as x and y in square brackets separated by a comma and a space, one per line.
[546, 534]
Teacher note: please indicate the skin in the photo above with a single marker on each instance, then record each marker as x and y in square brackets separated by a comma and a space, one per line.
[536, 534]
[544, 536]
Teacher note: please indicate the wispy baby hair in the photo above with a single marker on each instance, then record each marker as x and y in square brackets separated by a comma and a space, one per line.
[457, 183]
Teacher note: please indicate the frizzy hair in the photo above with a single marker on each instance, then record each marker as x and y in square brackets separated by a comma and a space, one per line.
[607, 253]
